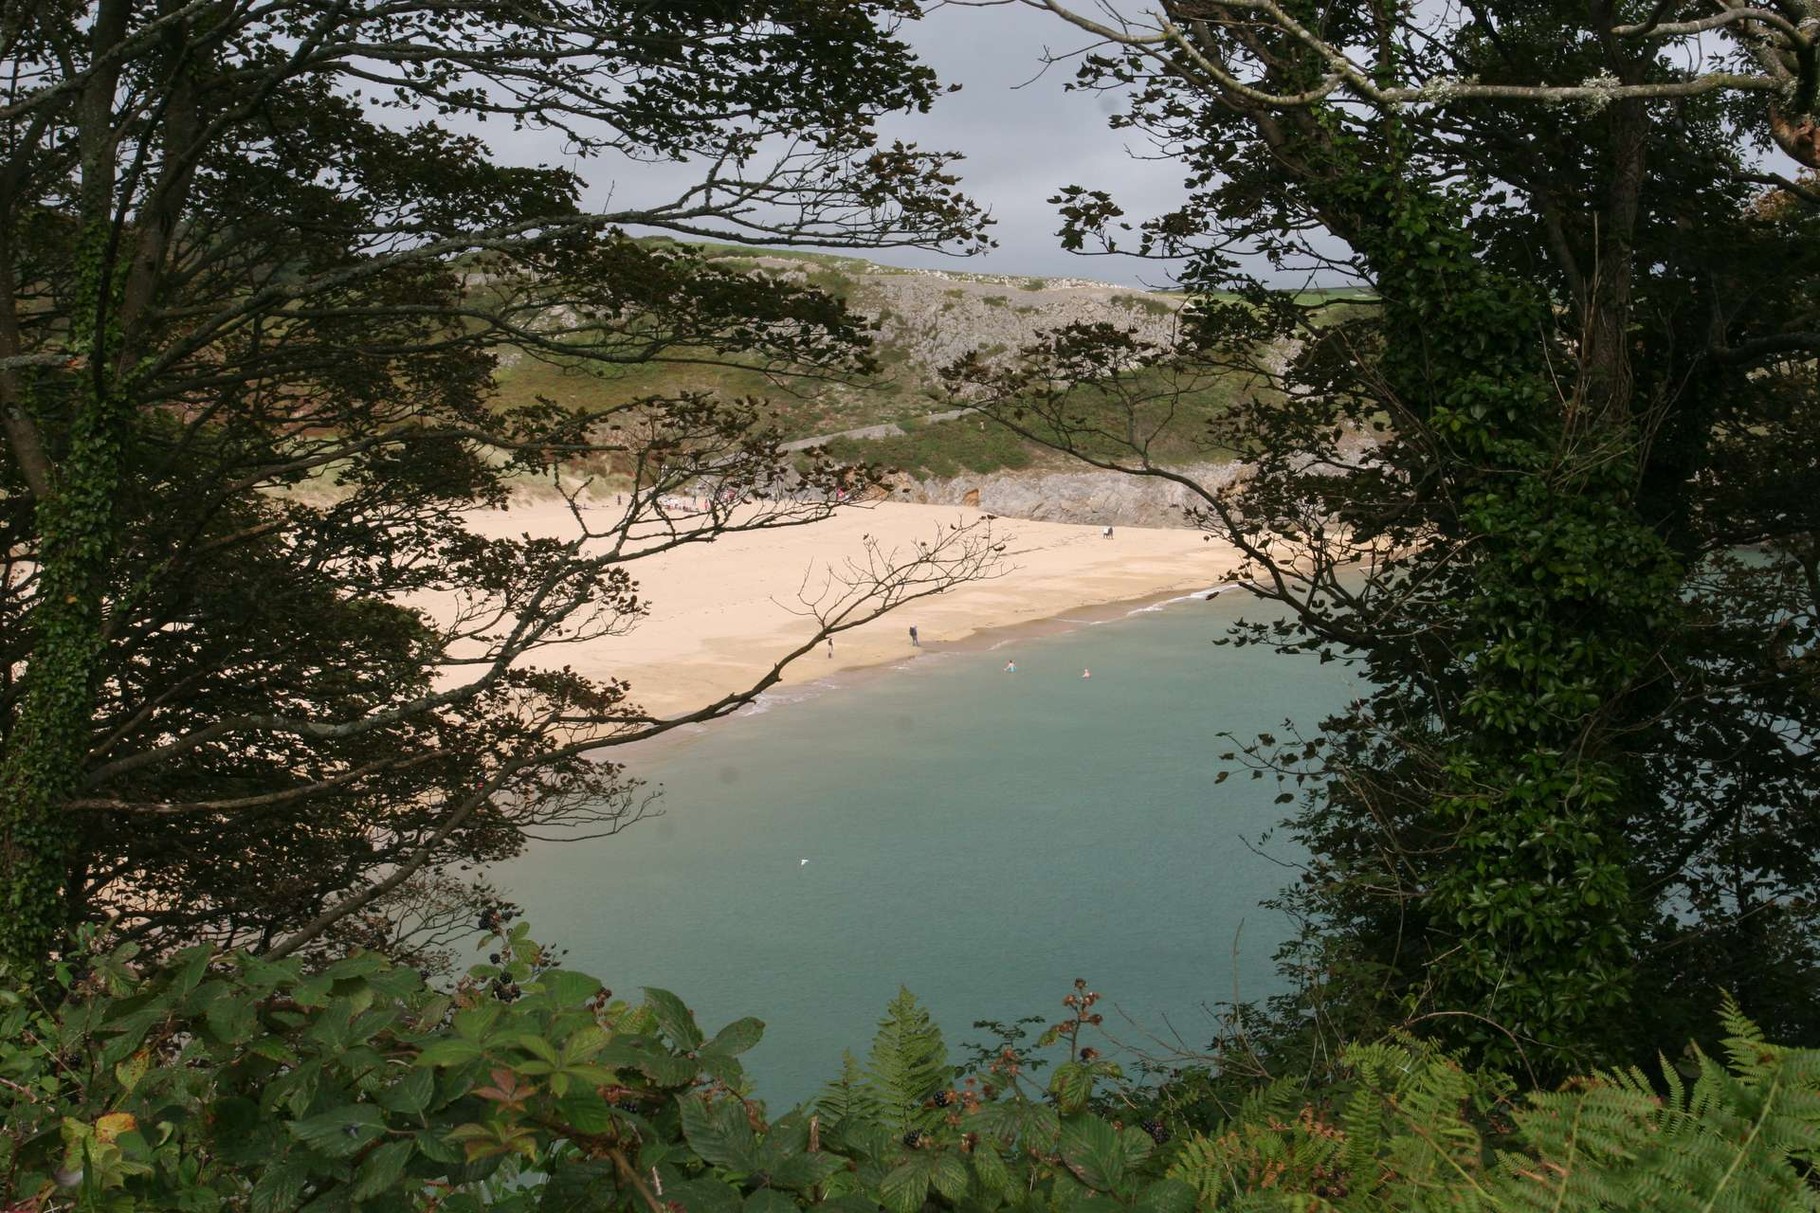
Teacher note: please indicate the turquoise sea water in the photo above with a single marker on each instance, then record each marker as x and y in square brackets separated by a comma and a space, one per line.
[979, 836]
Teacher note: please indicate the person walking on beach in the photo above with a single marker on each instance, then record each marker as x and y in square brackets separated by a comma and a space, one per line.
[914, 642]
[830, 648]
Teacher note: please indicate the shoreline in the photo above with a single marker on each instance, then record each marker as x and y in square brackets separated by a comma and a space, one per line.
[722, 612]
[854, 678]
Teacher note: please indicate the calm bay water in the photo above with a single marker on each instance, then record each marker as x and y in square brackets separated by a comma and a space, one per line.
[982, 837]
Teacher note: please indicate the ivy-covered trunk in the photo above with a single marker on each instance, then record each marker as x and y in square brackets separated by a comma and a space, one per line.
[1564, 593]
[47, 749]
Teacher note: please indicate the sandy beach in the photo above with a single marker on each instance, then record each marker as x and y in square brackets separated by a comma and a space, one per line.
[720, 612]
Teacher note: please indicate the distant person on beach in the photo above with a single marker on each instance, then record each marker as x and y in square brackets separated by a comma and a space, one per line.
[914, 642]
[1011, 667]
[1106, 534]
[830, 648]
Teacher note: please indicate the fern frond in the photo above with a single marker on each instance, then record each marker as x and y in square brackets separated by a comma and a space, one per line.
[848, 1097]
[908, 1064]
[1738, 1141]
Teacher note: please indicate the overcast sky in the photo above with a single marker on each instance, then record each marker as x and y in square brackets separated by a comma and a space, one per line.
[1023, 136]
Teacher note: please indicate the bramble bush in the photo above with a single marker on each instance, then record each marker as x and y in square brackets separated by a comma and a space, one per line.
[224, 1081]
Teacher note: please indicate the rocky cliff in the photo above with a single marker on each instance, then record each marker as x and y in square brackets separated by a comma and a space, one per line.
[1091, 497]
[929, 318]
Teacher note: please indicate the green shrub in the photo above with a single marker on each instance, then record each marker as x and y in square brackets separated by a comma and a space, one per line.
[218, 1082]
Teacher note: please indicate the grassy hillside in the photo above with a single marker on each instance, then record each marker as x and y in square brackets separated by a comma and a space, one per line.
[925, 319]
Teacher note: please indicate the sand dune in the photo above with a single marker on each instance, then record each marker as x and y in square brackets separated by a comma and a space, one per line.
[720, 612]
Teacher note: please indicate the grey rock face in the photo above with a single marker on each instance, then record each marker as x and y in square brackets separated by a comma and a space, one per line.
[933, 317]
[1092, 498]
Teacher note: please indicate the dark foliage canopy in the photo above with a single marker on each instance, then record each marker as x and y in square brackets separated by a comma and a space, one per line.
[257, 682]
[1546, 473]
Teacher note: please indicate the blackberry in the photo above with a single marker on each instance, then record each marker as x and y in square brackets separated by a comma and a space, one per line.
[492, 958]
[914, 1139]
[1157, 1132]
[941, 1099]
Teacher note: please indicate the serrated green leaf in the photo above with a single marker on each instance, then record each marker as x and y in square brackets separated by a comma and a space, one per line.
[231, 1020]
[737, 1037]
[719, 1132]
[1166, 1196]
[704, 1196]
[279, 1187]
[431, 1144]
[1136, 1145]
[660, 1066]
[1072, 1086]
[381, 1170]
[361, 964]
[990, 1169]
[566, 988]
[1092, 1150]
[585, 1111]
[847, 1203]
[410, 1095]
[339, 1132]
[800, 1172]
[1095, 1203]
[450, 1051]
[473, 1023]
[674, 1019]
[769, 1200]
[950, 1177]
[1018, 1120]
[905, 1186]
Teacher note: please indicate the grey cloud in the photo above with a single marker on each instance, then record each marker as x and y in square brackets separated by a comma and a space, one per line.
[1023, 135]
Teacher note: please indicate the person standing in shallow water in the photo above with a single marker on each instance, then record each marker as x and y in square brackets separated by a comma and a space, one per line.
[914, 642]
[1011, 667]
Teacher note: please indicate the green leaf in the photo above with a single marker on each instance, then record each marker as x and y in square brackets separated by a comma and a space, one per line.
[450, 1051]
[737, 1037]
[231, 1020]
[769, 1200]
[279, 1187]
[950, 1176]
[585, 1111]
[565, 988]
[474, 1023]
[339, 1132]
[719, 1132]
[1097, 1204]
[905, 1186]
[381, 1170]
[1092, 1150]
[993, 1175]
[719, 1066]
[704, 1196]
[800, 1172]
[361, 964]
[410, 1095]
[1072, 1086]
[658, 1064]
[1166, 1196]
[847, 1203]
[675, 1019]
